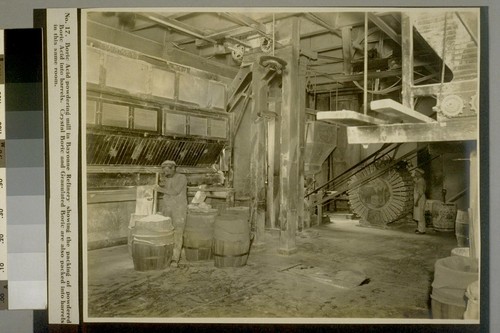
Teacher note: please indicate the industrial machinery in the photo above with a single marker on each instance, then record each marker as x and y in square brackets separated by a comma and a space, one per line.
[381, 196]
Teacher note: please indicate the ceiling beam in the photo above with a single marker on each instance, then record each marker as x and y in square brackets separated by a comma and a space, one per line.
[98, 33]
[315, 19]
[453, 130]
[314, 33]
[347, 49]
[176, 16]
[247, 21]
[327, 84]
[380, 23]
[179, 26]
[245, 30]
[240, 31]
[232, 32]
[355, 43]
[357, 77]
[469, 30]
[143, 26]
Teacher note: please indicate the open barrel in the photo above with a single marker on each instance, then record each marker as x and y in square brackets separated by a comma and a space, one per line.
[199, 234]
[452, 276]
[231, 239]
[152, 243]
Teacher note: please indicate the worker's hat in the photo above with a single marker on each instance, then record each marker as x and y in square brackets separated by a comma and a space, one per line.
[168, 162]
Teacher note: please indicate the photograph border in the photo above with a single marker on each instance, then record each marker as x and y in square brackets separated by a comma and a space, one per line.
[279, 320]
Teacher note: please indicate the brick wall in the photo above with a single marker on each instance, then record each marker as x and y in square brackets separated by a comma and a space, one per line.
[458, 98]
[461, 53]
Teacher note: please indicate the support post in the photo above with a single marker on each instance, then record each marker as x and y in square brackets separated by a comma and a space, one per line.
[474, 216]
[257, 160]
[319, 208]
[407, 59]
[346, 50]
[300, 94]
[290, 139]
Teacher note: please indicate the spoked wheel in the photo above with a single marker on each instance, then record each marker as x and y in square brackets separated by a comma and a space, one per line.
[379, 197]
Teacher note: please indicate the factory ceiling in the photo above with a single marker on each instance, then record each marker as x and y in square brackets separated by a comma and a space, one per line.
[331, 41]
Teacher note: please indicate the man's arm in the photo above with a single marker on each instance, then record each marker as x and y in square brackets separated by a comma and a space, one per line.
[160, 189]
[178, 185]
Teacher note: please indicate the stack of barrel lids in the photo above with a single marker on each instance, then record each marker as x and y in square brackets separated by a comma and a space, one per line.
[232, 238]
[199, 233]
[152, 242]
[452, 276]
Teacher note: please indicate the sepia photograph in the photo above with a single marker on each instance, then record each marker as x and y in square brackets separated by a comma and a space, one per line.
[281, 165]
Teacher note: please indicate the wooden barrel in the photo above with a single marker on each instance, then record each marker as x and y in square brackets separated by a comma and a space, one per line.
[152, 243]
[461, 251]
[231, 240]
[452, 275]
[430, 211]
[442, 310]
[151, 224]
[462, 228]
[239, 210]
[131, 227]
[199, 234]
[472, 294]
[444, 216]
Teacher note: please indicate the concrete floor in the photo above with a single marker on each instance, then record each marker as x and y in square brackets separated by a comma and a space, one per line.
[341, 270]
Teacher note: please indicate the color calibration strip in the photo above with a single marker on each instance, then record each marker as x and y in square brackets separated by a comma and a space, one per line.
[24, 167]
[3, 194]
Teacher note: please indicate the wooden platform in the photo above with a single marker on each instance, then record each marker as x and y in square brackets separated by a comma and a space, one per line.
[456, 130]
[348, 118]
[398, 111]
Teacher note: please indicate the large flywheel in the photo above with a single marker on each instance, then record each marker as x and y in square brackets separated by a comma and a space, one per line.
[381, 196]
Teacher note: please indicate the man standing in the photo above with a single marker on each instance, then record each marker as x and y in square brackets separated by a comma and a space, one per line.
[173, 186]
[419, 200]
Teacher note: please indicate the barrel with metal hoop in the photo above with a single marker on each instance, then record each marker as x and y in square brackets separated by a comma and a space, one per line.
[199, 234]
[231, 240]
[242, 211]
[152, 242]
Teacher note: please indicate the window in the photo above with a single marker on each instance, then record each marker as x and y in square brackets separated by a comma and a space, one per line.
[115, 115]
[145, 119]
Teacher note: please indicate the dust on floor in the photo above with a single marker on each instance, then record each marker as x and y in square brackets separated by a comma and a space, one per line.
[341, 270]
